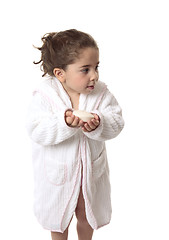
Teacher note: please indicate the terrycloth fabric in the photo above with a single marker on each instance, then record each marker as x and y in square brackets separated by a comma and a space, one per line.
[60, 153]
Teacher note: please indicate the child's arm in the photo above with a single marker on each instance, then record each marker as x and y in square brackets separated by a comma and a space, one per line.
[46, 127]
[111, 121]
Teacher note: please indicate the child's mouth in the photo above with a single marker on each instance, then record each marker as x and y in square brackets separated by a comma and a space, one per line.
[90, 87]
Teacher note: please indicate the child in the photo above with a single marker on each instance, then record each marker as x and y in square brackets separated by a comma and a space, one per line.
[69, 156]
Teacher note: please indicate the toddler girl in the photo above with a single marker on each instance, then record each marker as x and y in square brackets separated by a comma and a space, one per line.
[69, 156]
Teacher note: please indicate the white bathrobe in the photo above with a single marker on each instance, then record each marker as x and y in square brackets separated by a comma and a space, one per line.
[66, 157]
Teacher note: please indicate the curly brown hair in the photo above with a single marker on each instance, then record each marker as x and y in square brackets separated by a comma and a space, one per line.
[60, 49]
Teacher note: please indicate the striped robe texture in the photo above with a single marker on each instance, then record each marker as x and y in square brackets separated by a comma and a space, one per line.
[66, 158]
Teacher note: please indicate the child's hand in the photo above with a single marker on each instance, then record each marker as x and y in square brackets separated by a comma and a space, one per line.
[72, 120]
[92, 124]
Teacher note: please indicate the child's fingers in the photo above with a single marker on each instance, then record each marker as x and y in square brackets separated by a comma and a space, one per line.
[69, 120]
[91, 125]
[84, 129]
[75, 122]
[95, 122]
[87, 128]
[96, 116]
[81, 123]
[68, 113]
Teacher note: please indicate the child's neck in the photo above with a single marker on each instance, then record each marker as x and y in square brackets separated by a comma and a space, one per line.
[74, 98]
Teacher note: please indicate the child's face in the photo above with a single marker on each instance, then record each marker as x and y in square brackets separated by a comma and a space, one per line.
[81, 76]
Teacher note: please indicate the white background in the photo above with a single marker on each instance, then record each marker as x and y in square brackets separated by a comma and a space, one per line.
[133, 37]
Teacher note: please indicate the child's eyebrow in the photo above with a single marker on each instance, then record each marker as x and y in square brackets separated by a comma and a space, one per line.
[89, 65]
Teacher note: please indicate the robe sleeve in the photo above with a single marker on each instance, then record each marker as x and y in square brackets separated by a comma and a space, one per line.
[111, 120]
[44, 126]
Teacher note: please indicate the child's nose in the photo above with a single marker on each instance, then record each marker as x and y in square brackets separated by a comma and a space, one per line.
[94, 76]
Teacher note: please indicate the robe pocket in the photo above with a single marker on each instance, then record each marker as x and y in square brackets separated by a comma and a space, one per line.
[99, 165]
[56, 173]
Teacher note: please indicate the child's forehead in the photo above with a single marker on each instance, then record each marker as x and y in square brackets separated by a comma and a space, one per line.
[88, 55]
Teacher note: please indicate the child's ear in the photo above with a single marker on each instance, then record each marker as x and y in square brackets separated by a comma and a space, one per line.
[59, 74]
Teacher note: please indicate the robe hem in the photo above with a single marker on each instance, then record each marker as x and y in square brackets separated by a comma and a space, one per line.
[62, 231]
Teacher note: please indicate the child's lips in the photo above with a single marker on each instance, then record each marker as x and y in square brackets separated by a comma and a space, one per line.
[90, 87]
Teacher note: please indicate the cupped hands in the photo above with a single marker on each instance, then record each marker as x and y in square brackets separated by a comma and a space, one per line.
[74, 121]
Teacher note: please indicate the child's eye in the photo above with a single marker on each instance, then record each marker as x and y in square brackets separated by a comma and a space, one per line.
[86, 70]
[97, 67]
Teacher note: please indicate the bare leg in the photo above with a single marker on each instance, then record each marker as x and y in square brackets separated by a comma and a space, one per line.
[84, 230]
[60, 236]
